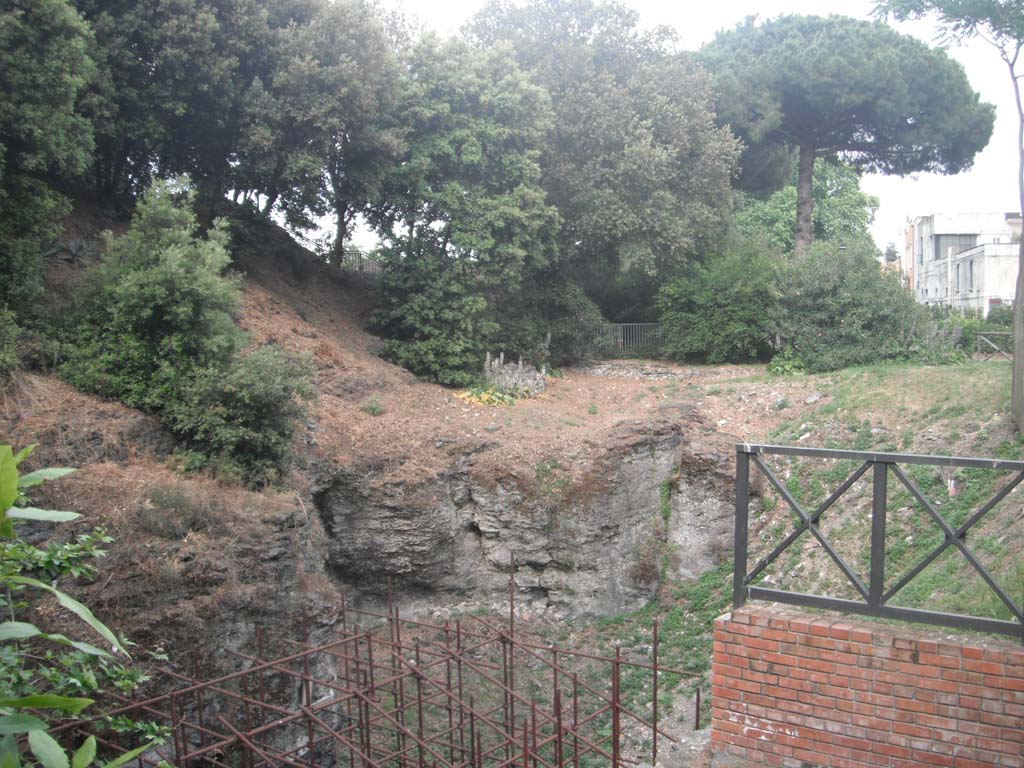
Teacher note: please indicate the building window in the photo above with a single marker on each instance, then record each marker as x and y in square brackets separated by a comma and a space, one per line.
[946, 245]
[970, 275]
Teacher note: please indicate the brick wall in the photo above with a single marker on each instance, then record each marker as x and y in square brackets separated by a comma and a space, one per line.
[793, 689]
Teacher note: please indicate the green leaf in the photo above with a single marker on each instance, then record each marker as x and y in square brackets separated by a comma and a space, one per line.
[41, 515]
[9, 757]
[20, 630]
[21, 724]
[23, 454]
[40, 476]
[47, 750]
[75, 607]
[8, 479]
[129, 756]
[85, 754]
[48, 701]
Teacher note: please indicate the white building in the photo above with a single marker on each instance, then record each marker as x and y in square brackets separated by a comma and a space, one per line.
[963, 260]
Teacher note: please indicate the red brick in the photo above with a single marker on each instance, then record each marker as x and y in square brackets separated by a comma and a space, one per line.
[916, 669]
[932, 758]
[985, 667]
[890, 750]
[936, 660]
[757, 677]
[909, 729]
[860, 635]
[1005, 683]
[761, 644]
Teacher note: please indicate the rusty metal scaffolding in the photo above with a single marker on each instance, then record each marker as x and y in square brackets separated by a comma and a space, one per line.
[390, 692]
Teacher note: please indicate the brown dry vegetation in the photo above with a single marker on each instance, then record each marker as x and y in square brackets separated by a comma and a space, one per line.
[191, 548]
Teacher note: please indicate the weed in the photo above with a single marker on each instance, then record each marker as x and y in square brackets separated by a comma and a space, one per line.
[592, 409]
[372, 406]
[552, 480]
[488, 396]
[171, 511]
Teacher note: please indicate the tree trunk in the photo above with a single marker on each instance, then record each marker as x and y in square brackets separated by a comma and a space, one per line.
[341, 231]
[1017, 383]
[804, 233]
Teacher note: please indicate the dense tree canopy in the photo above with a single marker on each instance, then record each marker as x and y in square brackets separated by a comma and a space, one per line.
[44, 68]
[841, 209]
[554, 165]
[465, 220]
[880, 100]
[633, 160]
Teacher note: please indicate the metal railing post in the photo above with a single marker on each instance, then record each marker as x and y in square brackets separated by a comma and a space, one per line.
[739, 567]
[879, 492]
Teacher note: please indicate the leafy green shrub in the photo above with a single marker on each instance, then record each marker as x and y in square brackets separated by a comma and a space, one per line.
[372, 407]
[721, 311]
[10, 335]
[786, 364]
[437, 323]
[1001, 317]
[837, 308]
[43, 676]
[241, 418]
[157, 309]
[155, 329]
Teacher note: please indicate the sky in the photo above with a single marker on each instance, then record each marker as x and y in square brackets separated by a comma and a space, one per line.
[989, 186]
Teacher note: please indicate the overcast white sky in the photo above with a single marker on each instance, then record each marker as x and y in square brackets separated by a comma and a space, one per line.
[989, 186]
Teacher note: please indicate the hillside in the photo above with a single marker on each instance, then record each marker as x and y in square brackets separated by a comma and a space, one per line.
[434, 494]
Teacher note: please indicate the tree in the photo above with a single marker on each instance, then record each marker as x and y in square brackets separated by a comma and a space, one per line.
[44, 68]
[466, 222]
[633, 160]
[316, 138]
[879, 100]
[172, 81]
[722, 310]
[841, 209]
[158, 307]
[1000, 23]
[837, 308]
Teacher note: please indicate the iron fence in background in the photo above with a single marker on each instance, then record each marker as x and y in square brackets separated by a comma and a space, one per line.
[621, 339]
[356, 261]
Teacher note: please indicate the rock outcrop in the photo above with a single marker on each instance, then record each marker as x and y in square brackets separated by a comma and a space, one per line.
[657, 497]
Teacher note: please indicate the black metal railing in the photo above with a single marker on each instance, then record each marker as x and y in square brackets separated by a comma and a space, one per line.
[621, 339]
[989, 344]
[873, 597]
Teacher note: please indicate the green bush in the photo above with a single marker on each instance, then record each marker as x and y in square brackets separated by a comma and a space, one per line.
[437, 322]
[155, 330]
[1001, 317]
[722, 310]
[10, 336]
[241, 418]
[550, 323]
[837, 308]
[158, 308]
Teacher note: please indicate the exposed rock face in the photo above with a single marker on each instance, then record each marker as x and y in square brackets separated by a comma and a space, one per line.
[593, 546]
